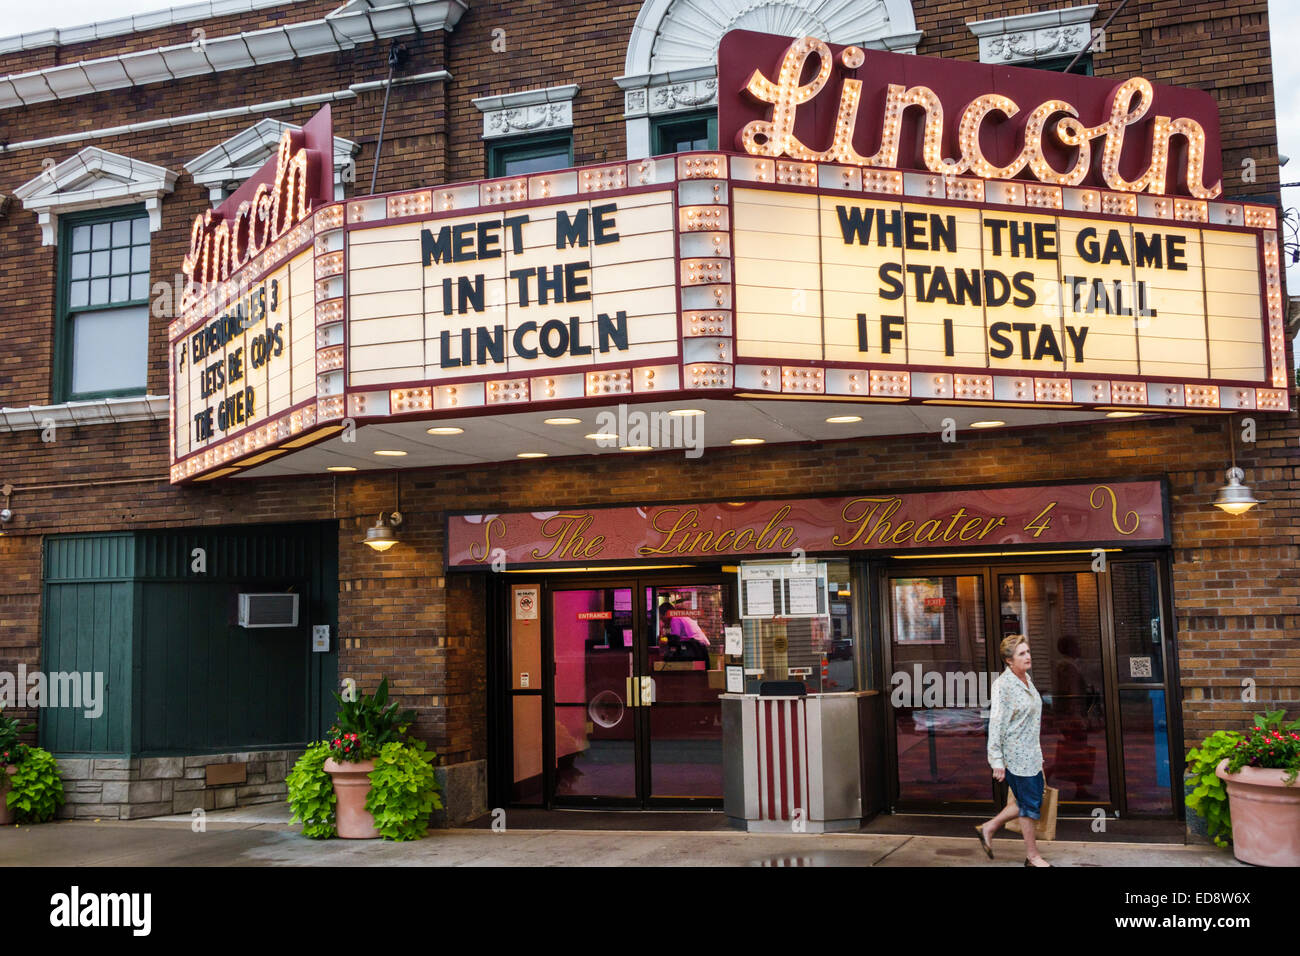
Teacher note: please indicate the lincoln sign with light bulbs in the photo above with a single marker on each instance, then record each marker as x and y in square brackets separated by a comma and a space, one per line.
[875, 227]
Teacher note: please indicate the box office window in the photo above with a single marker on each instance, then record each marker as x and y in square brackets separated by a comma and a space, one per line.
[798, 624]
[103, 334]
[523, 157]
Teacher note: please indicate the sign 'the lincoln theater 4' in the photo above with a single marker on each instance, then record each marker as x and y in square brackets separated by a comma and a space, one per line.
[875, 227]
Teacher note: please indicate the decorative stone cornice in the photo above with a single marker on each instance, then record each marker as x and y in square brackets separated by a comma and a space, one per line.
[530, 111]
[103, 411]
[228, 164]
[342, 30]
[1034, 36]
[675, 92]
[92, 179]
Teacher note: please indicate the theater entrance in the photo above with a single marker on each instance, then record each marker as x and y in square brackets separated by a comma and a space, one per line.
[615, 685]
[1103, 662]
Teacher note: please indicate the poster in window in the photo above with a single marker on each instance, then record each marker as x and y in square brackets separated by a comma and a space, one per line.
[919, 604]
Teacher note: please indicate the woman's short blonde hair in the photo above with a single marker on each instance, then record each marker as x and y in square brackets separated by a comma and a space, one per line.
[1009, 645]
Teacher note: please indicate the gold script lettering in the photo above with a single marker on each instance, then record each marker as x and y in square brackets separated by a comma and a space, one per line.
[1114, 509]
[487, 539]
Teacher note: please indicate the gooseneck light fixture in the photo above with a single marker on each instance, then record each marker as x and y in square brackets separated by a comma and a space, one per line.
[1234, 497]
[381, 536]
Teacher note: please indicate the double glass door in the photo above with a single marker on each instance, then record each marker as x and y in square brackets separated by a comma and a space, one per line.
[638, 670]
[1097, 645]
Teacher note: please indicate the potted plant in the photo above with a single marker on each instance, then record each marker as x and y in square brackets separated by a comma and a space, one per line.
[30, 788]
[367, 779]
[1260, 772]
[1206, 795]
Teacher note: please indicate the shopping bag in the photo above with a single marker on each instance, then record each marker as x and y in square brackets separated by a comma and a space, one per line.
[1045, 825]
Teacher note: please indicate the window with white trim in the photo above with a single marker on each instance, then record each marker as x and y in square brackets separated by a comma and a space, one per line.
[102, 339]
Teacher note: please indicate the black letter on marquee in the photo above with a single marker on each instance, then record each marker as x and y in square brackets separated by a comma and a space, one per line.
[436, 250]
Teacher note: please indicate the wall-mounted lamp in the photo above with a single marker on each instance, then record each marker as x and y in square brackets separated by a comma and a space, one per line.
[1234, 497]
[381, 536]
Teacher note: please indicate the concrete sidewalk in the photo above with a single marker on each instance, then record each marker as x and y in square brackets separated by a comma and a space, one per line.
[262, 836]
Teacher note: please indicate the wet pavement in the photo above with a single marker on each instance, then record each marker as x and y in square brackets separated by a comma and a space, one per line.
[262, 836]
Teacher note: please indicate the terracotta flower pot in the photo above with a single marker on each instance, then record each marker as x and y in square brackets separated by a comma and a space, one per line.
[351, 786]
[1265, 815]
[6, 815]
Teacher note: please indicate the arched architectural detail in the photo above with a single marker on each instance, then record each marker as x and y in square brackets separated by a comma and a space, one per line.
[671, 62]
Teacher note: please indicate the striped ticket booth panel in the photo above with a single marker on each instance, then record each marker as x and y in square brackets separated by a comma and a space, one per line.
[791, 764]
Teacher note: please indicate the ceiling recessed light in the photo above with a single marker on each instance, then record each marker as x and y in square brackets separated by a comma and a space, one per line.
[1122, 414]
[843, 419]
[686, 411]
[637, 448]
[988, 424]
[340, 468]
[748, 441]
[531, 454]
[445, 430]
[562, 421]
[602, 436]
[389, 453]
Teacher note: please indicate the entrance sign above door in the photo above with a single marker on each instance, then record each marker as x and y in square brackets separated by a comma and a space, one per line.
[751, 276]
[1118, 513]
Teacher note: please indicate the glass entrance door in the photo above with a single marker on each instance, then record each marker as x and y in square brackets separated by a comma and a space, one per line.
[684, 655]
[1098, 647]
[1060, 614]
[939, 689]
[635, 688]
[595, 728]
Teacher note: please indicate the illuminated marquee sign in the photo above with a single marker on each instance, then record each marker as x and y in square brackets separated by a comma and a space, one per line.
[729, 274]
[1145, 138]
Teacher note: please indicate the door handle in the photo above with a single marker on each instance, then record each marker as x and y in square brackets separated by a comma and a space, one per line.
[632, 689]
[647, 695]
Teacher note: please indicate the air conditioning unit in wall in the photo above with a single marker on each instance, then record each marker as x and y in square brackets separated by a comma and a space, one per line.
[268, 610]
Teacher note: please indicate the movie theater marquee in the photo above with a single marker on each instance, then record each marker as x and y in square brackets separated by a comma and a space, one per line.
[880, 227]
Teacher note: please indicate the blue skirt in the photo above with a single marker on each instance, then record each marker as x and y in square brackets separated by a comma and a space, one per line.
[1028, 792]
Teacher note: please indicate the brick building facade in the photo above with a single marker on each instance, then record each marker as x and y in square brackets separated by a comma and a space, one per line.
[1234, 594]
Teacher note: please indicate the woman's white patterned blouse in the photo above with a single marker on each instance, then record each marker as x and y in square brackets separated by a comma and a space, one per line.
[1014, 725]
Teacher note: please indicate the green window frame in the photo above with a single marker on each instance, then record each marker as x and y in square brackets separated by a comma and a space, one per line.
[1059, 63]
[529, 155]
[103, 295]
[682, 132]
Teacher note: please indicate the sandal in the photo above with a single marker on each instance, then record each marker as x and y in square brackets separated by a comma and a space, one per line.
[984, 845]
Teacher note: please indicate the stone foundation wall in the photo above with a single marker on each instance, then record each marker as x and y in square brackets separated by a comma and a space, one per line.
[464, 793]
[124, 788]
[119, 788]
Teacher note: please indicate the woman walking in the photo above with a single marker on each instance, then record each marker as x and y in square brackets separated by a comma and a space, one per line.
[1014, 751]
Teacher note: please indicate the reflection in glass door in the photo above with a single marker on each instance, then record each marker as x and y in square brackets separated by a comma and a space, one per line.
[1060, 614]
[637, 715]
[938, 688]
[685, 651]
[595, 728]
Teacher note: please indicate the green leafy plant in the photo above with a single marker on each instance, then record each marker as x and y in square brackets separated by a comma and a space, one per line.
[311, 793]
[35, 790]
[1209, 798]
[363, 726]
[12, 750]
[1269, 745]
[403, 790]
